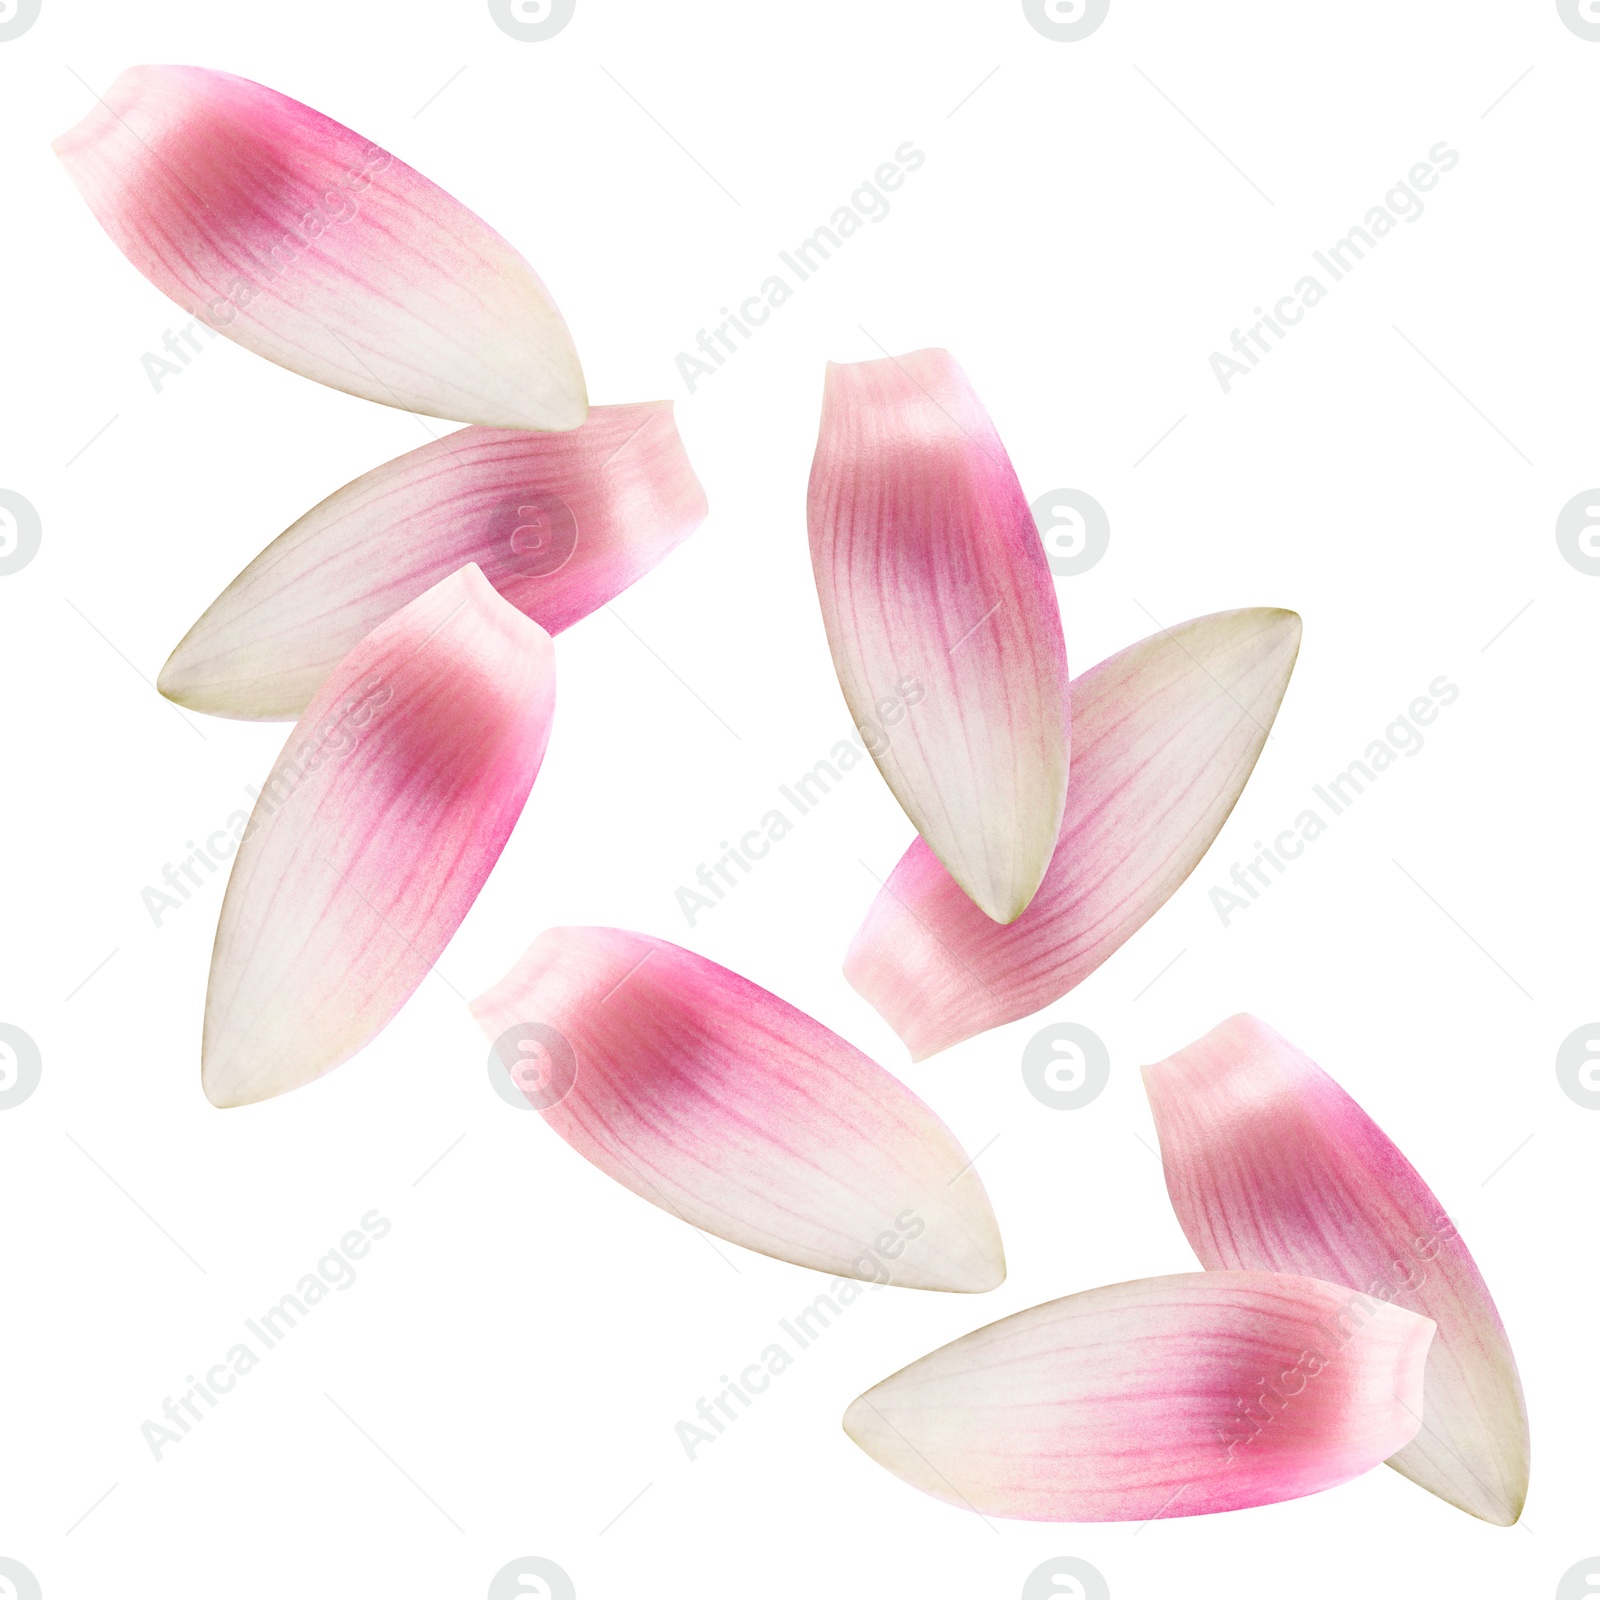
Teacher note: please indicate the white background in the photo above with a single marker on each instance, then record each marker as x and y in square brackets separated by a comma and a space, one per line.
[523, 1342]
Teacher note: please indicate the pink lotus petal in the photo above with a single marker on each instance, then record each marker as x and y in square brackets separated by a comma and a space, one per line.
[373, 834]
[558, 522]
[724, 1105]
[1164, 735]
[1167, 1397]
[935, 592]
[302, 241]
[1273, 1167]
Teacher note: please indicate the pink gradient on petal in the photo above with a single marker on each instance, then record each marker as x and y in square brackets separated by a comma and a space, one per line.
[1273, 1167]
[730, 1109]
[373, 834]
[930, 572]
[1165, 735]
[1164, 1397]
[299, 239]
[559, 523]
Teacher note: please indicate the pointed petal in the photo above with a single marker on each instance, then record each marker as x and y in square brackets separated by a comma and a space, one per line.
[391, 802]
[1164, 735]
[935, 591]
[559, 523]
[1166, 1397]
[310, 245]
[1273, 1167]
[724, 1105]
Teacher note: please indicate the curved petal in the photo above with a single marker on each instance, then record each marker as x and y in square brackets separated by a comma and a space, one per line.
[1164, 735]
[559, 523]
[1273, 1167]
[726, 1106]
[373, 834]
[1166, 1397]
[935, 591]
[302, 241]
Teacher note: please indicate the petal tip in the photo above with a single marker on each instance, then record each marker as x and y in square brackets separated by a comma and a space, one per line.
[1006, 911]
[1289, 623]
[855, 1421]
[225, 1096]
[980, 1276]
[979, 1265]
[172, 680]
[991, 1275]
[869, 1430]
[571, 411]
